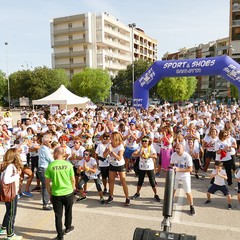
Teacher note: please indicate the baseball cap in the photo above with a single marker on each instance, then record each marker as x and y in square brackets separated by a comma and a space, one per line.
[132, 121]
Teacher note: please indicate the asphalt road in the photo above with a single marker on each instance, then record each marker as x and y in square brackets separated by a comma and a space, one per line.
[93, 221]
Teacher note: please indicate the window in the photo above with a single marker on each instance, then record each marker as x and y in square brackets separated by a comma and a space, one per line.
[71, 60]
[70, 37]
[70, 49]
[71, 72]
[70, 25]
[84, 59]
[85, 47]
[83, 23]
[83, 36]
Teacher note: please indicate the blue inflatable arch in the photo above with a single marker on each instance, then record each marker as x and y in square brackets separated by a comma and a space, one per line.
[222, 65]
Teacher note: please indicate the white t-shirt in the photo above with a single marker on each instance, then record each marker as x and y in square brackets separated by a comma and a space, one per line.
[210, 143]
[220, 145]
[99, 151]
[78, 153]
[130, 142]
[91, 163]
[184, 162]
[219, 180]
[147, 163]
[112, 160]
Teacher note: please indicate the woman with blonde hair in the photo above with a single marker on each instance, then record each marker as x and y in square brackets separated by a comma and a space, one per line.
[10, 172]
[114, 152]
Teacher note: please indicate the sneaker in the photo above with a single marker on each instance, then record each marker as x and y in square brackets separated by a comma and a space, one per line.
[3, 231]
[14, 237]
[204, 175]
[27, 194]
[208, 201]
[157, 198]
[109, 200]
[157, 174]
[19, 195]
[192, 210]
[102, 201]
[136, 196]
[68, 230]
[47, 208]
[127, 202]
[81, 199]
[196, 176]
[105, 191]
[229, 206]
[36, 189]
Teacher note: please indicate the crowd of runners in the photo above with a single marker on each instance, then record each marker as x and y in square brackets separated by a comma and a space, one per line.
[103, 144]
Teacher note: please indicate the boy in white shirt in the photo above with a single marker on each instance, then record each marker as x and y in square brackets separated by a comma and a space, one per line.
[219, 176]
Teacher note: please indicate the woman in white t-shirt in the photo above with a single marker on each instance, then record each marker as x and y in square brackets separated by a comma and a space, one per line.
[75, 158]
[114, 152]
[10, 172]
[223, 153]
[103, 163]
[209, 145]
[147, 155]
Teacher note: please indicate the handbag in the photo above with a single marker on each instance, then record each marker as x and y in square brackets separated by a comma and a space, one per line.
[7, 191]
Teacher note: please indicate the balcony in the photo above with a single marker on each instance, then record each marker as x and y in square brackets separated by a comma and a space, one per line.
[68, 30]
[68, 42]
[235, 23]
[70, 54]
[71, 65]
[236, 8]
[116, 34]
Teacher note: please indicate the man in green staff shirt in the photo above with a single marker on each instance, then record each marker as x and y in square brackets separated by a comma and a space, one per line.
[61, 173]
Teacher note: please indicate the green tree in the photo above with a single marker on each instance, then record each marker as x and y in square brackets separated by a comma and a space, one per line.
[38, 83]
[234, 91]
[3, 85]
[93, 83]
[177, 88]
[123, 84]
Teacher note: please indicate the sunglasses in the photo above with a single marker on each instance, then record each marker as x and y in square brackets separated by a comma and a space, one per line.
[76, 142]
[131, 124]
[106, 138]
[85, 154]
[144, 141]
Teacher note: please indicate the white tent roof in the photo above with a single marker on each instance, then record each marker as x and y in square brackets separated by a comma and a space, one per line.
[61, 96]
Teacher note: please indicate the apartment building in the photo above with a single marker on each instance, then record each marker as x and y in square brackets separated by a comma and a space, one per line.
[98, 41]
[234, 29]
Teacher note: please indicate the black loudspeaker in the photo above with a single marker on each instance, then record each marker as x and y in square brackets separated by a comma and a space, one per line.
[148, 234]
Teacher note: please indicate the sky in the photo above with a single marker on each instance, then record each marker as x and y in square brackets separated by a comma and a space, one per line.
[25, 25]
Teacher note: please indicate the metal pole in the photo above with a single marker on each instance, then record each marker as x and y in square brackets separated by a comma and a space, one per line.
[9, 98]
[132, 58]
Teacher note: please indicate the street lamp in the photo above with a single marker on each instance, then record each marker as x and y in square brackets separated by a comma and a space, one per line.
[9, 98]
[132, 26]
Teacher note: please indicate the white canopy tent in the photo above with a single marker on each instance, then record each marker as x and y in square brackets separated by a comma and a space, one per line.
[64, 98]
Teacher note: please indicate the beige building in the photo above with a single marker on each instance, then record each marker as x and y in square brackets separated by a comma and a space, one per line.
[98, 41]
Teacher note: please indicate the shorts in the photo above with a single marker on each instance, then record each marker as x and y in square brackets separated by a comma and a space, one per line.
[196, 163]
[216, 187]
[128, 152]
[104, 172]
[211, 155]
[117, 168]
[238, 191]
[186, 184]
[76, 174]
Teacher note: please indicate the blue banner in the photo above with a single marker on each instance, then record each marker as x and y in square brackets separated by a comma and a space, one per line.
[222, 65]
